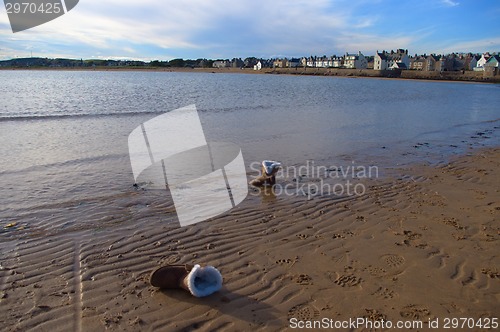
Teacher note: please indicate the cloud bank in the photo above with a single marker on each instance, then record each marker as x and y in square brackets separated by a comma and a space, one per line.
[224, 29]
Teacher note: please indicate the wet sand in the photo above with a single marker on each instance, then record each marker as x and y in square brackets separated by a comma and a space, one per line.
[420, 245]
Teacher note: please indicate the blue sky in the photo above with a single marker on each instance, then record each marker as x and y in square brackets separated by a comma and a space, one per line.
[148, 30]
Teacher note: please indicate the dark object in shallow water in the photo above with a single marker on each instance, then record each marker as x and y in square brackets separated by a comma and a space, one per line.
[268, 176]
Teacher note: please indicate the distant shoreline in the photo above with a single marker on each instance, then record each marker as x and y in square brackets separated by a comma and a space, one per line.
[455, 76]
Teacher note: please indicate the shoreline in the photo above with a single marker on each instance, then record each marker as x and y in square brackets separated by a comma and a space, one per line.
[428, 230]
[467, 77]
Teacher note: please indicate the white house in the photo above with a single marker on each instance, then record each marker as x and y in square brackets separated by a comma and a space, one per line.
[337, 62]
[386, 60]
[311, 61]
[258, 66]
[380, 61]
[355, 61]
[493, 61]
[221, 64]
[481, 62]
[322, 62]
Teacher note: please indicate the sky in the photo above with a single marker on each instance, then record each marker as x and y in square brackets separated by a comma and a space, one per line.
[225, 29]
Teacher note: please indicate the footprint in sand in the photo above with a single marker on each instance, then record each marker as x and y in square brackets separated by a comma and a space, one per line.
[374, 315]
[415, 312]
[493, 274]
[385, 293]
[376, 271]
[288, 262]
[453, 222]
[343, 235]
[412, 235]
[170, 260]
[393, 261]
[303, 312]
[440, 255]
[303, 279]
[470, 279]
[302, 236]
[465, 274]
[348, 281]
[412, 239]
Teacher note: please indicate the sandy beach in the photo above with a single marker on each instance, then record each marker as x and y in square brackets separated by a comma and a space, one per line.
[421, 245]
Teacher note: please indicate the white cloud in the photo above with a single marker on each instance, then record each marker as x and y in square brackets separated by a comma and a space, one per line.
[475, 46]
[365, 22]
[219, 28]
[367, 43]
[178, 25]
[450, 3]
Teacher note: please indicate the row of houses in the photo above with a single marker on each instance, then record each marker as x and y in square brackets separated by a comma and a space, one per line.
[433, 62]
[239, 63]
[352, 61]
[487, 60]
[384, 60]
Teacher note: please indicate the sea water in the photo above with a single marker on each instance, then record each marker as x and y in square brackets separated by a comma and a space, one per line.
[63, 134]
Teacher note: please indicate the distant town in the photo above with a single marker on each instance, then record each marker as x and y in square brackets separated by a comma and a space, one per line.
[383, 63]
